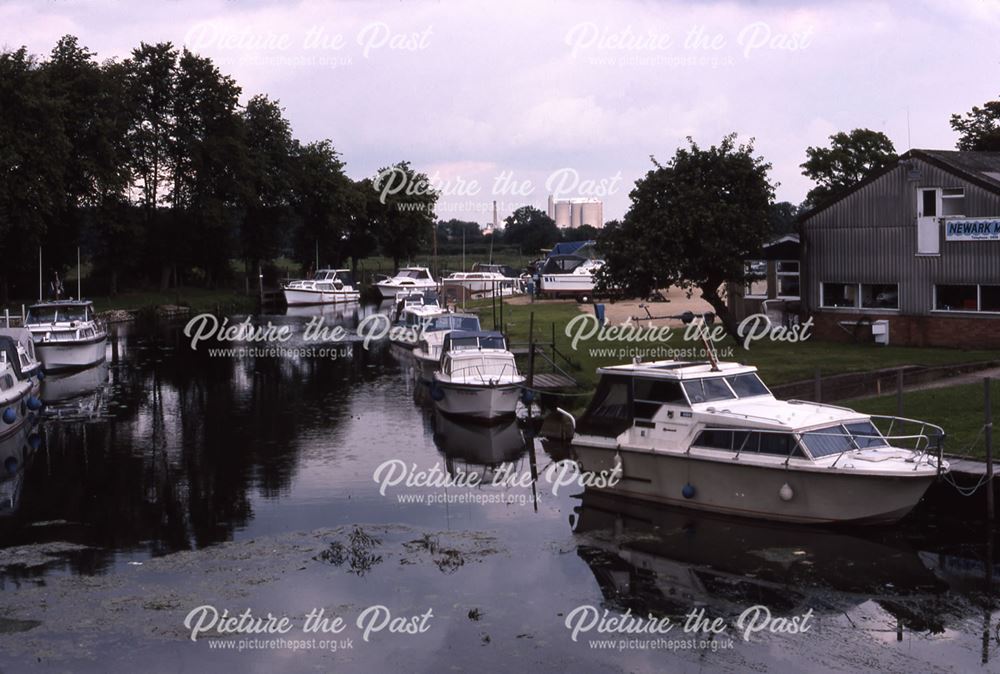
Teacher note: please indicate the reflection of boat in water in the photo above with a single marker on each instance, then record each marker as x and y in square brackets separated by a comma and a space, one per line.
[650, 557]
[478, 444]
[15, 450]
[61, 387]
[341, 312]
[711, 436]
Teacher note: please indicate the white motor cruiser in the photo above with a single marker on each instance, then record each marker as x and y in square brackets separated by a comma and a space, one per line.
[414, 310]
[406, 280]
[427, 354]
[711, 436]
[484, 279]
[20, 372]
[327, 286]
[477, 376]
[67, 334]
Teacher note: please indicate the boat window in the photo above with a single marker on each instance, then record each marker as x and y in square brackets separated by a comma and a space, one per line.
[459, 343]
[42, 315]
[491, 342]
[827, 441]
[707, 390]
[610, 411]
[715, 438]
[866, 435]
[661, 391]
[750, 442]
[71, 313]
[6, 382]
[747, 385]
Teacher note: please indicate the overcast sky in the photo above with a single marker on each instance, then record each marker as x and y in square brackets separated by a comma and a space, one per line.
[576, 94]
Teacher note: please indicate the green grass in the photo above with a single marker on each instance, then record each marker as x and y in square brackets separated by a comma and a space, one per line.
[956, 409]
[778, 362]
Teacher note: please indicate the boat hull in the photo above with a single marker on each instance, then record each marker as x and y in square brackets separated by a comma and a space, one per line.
[567, 283]
[485, 403]
[390, 290]
[302, 297]
[71, 355]
[823, 496]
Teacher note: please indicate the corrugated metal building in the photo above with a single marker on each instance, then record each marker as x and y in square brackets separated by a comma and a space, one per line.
[913, 250]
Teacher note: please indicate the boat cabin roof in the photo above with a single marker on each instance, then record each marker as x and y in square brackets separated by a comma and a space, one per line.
[61, 303]
[677, 369]
[473, 340]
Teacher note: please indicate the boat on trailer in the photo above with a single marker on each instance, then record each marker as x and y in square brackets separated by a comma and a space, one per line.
[477, 376]
[711, 436]
[327, 286]
[67, 334]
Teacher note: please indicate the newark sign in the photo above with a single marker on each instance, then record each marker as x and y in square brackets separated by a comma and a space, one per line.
[972, 229]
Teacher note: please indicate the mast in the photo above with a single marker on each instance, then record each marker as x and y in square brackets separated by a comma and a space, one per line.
[39, 273]
[78, 294]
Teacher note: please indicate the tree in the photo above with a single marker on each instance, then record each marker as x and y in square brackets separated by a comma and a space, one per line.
[323, 200]
[33, 151]
[692, 223]
[208, 160]
[783, 216]
[581, 233]
[849, 159]
[454, 232]
[531, 229]
[403, 211]
[980, 128]
[268, 179]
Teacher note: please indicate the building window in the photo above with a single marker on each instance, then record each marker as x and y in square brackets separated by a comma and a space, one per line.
[788, 279]
[839, 295]
[952, 202]
[880, 296]
[860, 295]
[757, 288]
[967, 297]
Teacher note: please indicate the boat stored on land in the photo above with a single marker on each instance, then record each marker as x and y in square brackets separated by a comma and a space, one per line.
[67, 334]
[484, 279]
[327, 286]
[711, 436]
[477, 376]
[568, 270]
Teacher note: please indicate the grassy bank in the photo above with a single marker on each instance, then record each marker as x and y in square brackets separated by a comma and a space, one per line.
[957, 409]
[778, 362]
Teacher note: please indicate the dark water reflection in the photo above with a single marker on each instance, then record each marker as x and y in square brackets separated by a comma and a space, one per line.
[165, 449]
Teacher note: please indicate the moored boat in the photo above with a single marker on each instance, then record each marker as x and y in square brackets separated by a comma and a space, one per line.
[427, 354]
[711, 436]
[20, 372]
[483, 279]
[477, 377]
[327, 286]
[414, 310]
[67, 334]
[407, 279]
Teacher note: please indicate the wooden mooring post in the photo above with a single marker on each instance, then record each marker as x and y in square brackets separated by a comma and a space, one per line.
[531, 349]
[988, 438]
[899, 392]
[818, 387]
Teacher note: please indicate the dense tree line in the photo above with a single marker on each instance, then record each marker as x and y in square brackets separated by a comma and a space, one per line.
[154, 167]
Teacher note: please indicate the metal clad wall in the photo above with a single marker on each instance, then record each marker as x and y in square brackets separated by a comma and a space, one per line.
[870, 236]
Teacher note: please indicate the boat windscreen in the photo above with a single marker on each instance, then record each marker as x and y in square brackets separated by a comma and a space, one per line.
[707, 390]
[865, 435]
[747, 385]
[41, 315]
[492, 342]
[827, 441]
[452, 322]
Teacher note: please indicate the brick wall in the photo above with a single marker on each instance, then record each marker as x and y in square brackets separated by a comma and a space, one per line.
[963, 332]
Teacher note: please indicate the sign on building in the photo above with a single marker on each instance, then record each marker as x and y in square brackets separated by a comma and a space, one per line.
[972, 229]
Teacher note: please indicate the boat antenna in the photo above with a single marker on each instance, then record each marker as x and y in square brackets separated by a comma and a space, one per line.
[39, 273]
[713, 357]
[79, 295]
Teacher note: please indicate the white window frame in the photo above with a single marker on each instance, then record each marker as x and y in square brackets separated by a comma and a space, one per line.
[979, 300]
[778, 274]
[857, 298]
[747, 294]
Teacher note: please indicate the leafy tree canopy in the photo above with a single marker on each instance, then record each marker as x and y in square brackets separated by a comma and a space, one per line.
[849, 159]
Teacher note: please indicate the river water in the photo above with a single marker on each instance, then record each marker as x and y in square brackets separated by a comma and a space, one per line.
[172, 478]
